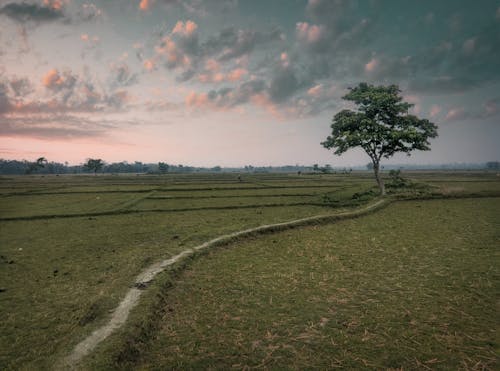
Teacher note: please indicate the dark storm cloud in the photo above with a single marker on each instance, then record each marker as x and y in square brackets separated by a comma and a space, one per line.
[26, 12]
[284, 84]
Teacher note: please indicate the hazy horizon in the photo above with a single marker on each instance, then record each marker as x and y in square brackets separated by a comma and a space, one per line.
[232, 83]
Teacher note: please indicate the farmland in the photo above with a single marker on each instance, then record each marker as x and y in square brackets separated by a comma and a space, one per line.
[71, 246]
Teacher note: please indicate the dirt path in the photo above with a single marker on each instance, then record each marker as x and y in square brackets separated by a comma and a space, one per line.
[120, 314]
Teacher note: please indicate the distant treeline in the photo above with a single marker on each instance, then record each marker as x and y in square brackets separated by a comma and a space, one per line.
[26, 167]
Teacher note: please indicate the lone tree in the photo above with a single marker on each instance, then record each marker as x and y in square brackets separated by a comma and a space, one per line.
[381, 126]
[93, 165]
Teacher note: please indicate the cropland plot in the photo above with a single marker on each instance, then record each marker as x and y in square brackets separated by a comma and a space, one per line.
[188, 203]
[62, 277]
[255, 192]
[356, 294]
[60, 204]
[101, 188]
[469, 187]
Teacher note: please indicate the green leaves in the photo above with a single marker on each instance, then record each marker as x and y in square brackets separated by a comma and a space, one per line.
[381, 126]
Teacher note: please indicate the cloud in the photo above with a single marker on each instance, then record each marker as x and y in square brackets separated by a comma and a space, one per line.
[196, 100]
[434, 111]
[315, 91]
[24, 12]
[172, 55]
[160, 105]
[371, 65]
[187, 29]
[145, 5]
[149, 65]
[203, 8]
[4, 98]
[213, 73]
[283, 84]
[310, 33]
[21, 86]
[456, 114]
[490, 108]
[215, 60]
[89, 12]
[53, 127]
[469, 45]
[59, 81]
[285, 60]
[121, 75]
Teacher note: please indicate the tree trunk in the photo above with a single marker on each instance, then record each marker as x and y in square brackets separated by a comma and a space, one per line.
[378, 177]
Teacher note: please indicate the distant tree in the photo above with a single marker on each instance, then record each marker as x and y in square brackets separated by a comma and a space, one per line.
[216, 168]
[315, 167]
[38, 164]
[326, 169]
[369, 166]
[493, 165]
[381, 126]
[163, 167]
[93, 165]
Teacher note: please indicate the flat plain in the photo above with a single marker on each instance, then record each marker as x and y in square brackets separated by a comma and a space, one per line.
[352, 292]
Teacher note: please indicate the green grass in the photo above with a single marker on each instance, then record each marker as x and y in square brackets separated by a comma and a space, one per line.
[356, 294]
[61, 277]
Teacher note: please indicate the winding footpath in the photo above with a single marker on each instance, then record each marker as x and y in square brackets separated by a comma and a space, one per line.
[120, 314]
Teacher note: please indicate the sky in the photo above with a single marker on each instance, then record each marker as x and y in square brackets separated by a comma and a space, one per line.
[240, 82]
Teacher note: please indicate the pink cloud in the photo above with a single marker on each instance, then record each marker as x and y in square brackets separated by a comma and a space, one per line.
[309, 33]
[236, 74]
[315, 91]
[455, 114]
[211, 75]
[149, 65]
[434, 111]
[174, 56]
[185, 29]
[145, 4]
[285, 62]
[55, 4]
[196, 100]
[212, 65]
[53, 79]
[371, 65]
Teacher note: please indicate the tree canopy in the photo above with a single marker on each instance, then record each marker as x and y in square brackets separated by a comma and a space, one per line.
[381, 126]
[94, 164]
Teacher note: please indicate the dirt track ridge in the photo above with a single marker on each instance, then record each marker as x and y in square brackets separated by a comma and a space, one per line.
[131, 299]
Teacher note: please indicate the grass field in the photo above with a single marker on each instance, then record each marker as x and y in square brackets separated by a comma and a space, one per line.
[356, 294]
[71, 246]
